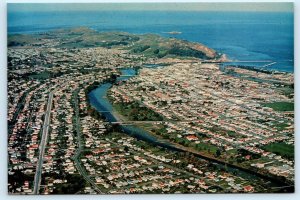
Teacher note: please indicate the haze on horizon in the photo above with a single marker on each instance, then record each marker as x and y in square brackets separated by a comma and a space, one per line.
[178, 6]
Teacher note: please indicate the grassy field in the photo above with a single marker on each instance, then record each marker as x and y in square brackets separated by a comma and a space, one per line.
[281, 148]
[21, 40]
[281, 126]
[43, 75]
[135, 112]
[280, 106]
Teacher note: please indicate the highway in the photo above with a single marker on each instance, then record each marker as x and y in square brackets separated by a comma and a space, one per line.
[45, 130]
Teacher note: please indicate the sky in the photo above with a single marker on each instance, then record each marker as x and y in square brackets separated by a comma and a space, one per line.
[240, 7]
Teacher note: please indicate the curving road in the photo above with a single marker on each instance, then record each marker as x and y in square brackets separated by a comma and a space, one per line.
[76, 157]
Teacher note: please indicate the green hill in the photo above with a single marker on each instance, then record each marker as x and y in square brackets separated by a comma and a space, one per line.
[150, 45]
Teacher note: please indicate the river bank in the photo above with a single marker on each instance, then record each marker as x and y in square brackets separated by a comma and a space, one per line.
[105, 107]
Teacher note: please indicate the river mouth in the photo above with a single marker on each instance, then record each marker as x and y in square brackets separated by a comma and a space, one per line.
[98, 99]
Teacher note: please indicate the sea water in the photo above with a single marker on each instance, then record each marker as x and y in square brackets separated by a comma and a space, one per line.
[246, 36]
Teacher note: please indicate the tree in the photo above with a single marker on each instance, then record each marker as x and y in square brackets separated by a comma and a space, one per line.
[218, 153]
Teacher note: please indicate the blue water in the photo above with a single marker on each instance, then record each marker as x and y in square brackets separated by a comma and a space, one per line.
[98, 96]
[98, 99]
[240, 35]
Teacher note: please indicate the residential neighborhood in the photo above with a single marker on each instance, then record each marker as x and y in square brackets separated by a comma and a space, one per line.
[113, 118]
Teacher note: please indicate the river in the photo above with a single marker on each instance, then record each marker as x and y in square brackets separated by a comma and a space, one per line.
[98, 99]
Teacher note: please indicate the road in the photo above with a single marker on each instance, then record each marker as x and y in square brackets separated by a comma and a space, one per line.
[38, 172]
[76, 157]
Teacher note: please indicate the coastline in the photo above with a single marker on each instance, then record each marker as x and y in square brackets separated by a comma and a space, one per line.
[169, 100]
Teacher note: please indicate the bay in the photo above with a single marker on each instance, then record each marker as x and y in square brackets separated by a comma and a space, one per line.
[246, 36]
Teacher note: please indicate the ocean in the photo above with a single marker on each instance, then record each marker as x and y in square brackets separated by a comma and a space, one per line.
[242, 36]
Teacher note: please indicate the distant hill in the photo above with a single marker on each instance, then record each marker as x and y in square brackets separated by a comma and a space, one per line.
[151, 45]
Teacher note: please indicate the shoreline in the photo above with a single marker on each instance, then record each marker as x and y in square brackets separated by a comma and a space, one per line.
[258, 69]
[288, 69]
